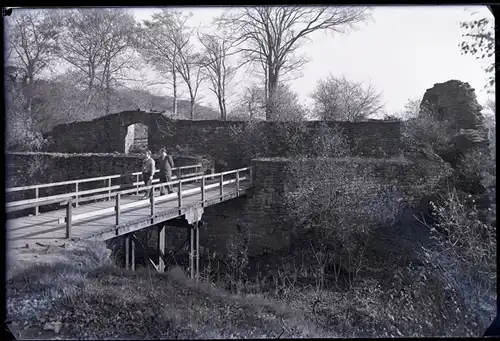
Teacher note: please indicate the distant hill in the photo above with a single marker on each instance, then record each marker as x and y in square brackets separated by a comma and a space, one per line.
[62, 101]
[144, 100]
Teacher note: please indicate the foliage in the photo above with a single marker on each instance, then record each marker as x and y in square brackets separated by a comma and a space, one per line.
[253, 103]
[337, 98]
[475, 171]
[327, 202]
[21, 128]
[480, 42]
[425, 131]
[465, 258]
[288, 139]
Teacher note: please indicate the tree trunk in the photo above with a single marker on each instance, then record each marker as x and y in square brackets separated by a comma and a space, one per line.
[224, 108]
[272, 85]
[108, 93]
[174, 80]
[221, 107]
[191, 109]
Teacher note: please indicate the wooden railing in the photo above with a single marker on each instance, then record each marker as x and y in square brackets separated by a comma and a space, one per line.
[153, 201]
[78, 195]
[225, 178]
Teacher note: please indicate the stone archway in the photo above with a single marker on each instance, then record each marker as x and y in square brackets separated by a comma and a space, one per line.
[136, 140]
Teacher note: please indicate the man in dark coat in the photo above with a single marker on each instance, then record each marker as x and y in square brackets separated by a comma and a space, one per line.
[148, 171]
[165, 165]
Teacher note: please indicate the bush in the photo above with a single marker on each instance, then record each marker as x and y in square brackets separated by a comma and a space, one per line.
[464, 255]
[475, 171]
[288, 139]
[330, 213]
[425, 131]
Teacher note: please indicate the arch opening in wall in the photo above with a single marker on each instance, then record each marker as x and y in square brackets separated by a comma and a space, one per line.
[136, 140]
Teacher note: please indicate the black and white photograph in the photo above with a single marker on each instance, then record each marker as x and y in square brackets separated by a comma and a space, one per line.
[244, 172]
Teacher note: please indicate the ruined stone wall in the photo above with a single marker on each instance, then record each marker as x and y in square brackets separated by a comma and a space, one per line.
[213, 139]
[262, 217]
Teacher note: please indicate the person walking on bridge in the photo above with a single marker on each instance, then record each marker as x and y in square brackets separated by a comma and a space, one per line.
[165, 165]
[148, 170]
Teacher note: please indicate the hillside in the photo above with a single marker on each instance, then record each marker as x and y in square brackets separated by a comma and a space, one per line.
[61, 100]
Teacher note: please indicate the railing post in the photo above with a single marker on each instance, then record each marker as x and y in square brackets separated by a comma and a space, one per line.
[179, 193]
[203, 191]
[109, 188]
[137, 184]
[178, 173]
[117, 208]
[69, 209]
[238, 182]
[36, 197]
[221, 185]
[251, 176]
[152, 201]
[76, 194]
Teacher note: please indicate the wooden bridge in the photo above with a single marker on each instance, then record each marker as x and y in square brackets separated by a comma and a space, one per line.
[110, 211]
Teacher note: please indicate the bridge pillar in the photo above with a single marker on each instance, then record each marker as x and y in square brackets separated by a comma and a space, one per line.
[129, 246]
[193, 217]
[194, 250]
[132, 254]
[126, 247]
[161, 247]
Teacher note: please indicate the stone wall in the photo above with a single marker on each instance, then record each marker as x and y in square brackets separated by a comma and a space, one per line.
[263, 217]
[212, 139]
[455, 102]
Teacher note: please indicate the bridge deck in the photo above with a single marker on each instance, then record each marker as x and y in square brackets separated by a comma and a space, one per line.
[50, 227]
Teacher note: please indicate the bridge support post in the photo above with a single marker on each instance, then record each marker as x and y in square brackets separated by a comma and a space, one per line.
[126, 246]
[161, 247]
[129, 246]
[132, 254]
[194, 251]
[193, 218]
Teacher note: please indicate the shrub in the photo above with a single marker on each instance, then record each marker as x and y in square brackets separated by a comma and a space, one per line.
[475, 171]
[464, 255]
[329, 211]
[426, 131]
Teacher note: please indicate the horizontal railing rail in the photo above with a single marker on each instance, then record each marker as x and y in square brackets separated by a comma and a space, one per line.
[72, 182]
[79, 196]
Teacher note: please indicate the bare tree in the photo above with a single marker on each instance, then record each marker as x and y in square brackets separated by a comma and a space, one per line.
[273, 35]
[253, 103]
[341, 99]
[217, 49]
[162, 39]
[99, 44]
[31, 46]
[190, 67]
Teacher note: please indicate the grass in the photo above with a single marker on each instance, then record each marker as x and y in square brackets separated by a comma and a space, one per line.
[95, 299]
